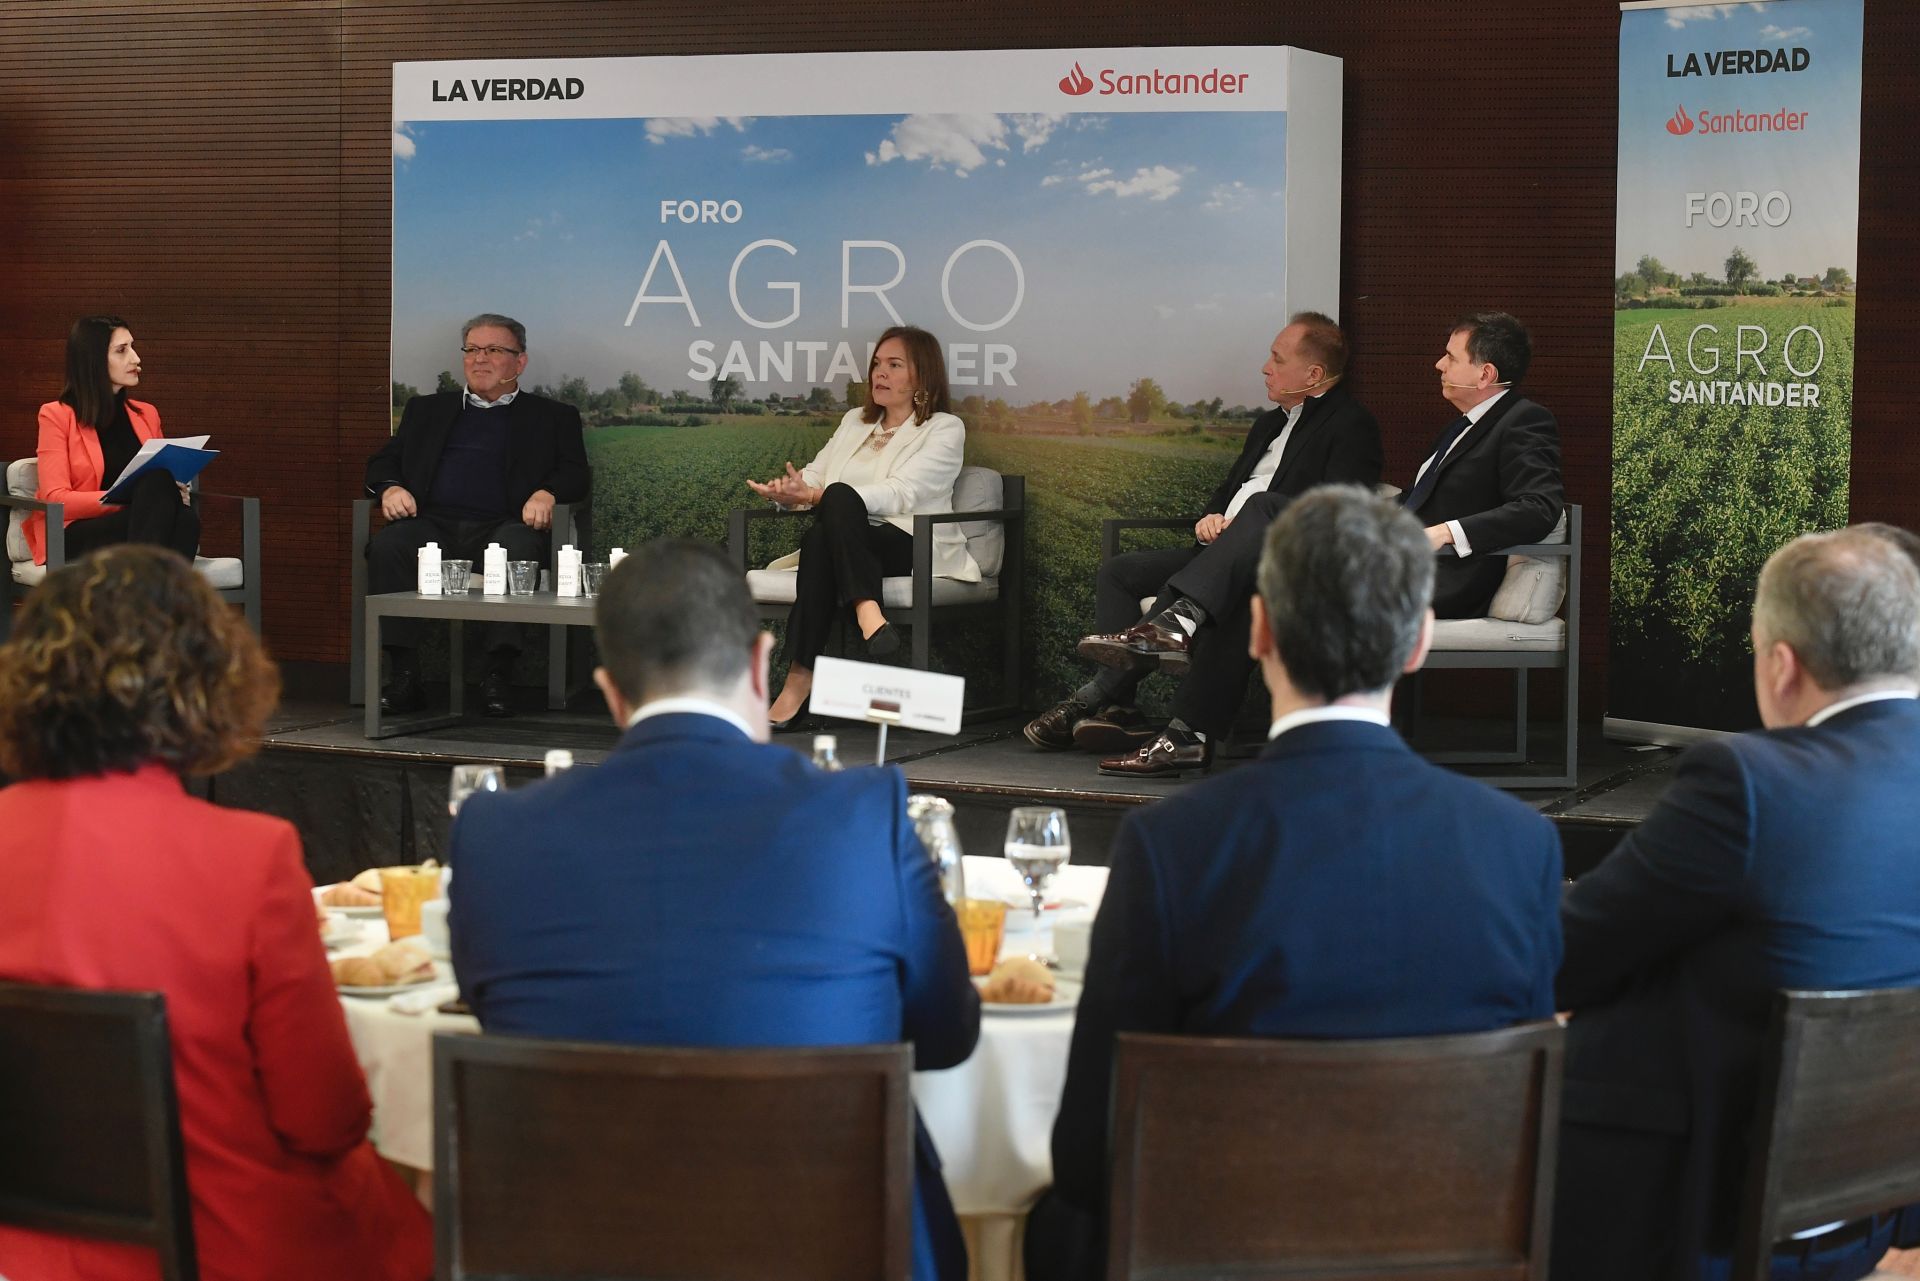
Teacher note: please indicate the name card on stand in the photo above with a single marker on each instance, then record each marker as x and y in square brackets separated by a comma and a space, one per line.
[885, 695]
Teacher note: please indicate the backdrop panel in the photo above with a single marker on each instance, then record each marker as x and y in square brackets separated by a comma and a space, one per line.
[703, 250]
[1735, 255]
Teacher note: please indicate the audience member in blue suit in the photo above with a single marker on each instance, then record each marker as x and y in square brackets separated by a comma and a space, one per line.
[702, 888]
[1788, 857]
[1339, 886]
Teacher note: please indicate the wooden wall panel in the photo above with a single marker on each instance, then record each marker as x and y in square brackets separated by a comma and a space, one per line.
[221, 173]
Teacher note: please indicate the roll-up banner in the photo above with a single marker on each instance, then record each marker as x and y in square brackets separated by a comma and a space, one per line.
[1734, 292]
[704, 250]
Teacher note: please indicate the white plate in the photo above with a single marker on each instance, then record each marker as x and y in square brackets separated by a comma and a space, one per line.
[1066, 996]
[340, 932]
[364, 913]
[1020, 912]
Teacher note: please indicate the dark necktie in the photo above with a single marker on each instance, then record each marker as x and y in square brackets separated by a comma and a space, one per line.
[1428, 479]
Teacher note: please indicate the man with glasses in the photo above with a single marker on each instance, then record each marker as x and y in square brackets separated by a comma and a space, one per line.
[481, 465]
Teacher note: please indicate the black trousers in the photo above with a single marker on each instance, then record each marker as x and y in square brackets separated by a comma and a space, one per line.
[154, 514]
[393, 565]
[1220, 578]
[842, 560]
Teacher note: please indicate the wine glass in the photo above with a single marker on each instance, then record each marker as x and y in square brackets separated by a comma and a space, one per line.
[1037, 846]
[468, 779]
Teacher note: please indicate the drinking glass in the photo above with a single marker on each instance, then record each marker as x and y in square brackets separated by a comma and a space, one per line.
[521, 576]
[468, 779]
[592, 574]
[402, 892]
[456, 577]
[1037, 846]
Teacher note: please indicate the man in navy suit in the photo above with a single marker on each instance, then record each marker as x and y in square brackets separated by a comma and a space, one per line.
[702, 888]
[1788, 857]
[1339, 886]
[1318, 434]
[1493, 478]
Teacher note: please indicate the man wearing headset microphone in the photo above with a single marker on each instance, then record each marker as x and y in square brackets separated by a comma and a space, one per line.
[1198, 622]
[1493, 478]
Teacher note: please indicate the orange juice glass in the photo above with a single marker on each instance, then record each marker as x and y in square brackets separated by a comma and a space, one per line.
[983, 923]
[402, 891]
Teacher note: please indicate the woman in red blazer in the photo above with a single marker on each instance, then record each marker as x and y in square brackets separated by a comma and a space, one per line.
[126, 672]
[88, 436]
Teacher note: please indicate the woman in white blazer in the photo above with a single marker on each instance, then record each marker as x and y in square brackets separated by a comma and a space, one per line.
[891, 460]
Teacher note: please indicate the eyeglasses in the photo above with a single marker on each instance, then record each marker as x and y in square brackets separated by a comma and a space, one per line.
[496, 352]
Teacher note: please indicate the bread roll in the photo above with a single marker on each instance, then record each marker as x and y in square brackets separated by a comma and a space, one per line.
[1018, 980]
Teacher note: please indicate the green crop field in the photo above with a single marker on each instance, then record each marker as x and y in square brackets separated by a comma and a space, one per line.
[682, 481]
[1703, 493]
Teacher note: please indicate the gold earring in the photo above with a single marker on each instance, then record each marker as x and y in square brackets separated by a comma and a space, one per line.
[921, 399]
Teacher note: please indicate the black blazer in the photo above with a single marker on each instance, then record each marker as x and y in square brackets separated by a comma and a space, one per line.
[545, 449]
[1503, 485]
[1336, 441]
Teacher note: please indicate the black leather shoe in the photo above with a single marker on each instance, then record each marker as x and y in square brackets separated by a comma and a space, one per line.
[798, 723]
[1164, 757]
[496, 695]
[1053, 728]
[1142, 647]
[403, 693]
[884, 643]
[1113, 730]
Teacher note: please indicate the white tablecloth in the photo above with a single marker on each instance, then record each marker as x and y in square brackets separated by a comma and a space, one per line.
[991, 1117]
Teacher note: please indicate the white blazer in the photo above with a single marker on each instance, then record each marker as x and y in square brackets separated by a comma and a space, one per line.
[922, 462]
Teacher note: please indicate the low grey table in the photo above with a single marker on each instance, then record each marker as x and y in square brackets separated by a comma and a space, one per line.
[541, 607]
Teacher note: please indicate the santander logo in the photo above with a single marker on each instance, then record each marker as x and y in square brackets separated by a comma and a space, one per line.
[1109, 81]
[1680, 123]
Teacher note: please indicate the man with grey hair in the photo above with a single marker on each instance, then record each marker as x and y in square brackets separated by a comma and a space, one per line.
[1786, 857]
[1338, 886]
[702, 887]
[465, 468]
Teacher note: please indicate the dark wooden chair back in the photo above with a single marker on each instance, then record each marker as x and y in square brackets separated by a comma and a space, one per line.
[555, 1159]
[1837, 1118]
[1425, 1157]
[89, 1124]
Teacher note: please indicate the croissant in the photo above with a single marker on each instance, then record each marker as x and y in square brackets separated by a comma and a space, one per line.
[1018, 981]
[402, 962]
[347, 894]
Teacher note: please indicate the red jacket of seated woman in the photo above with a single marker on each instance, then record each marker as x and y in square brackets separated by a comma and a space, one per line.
[123, 880]
[73, 469]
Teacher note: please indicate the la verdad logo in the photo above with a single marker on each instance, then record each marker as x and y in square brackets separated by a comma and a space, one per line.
[1739, 62]
[1126, 83]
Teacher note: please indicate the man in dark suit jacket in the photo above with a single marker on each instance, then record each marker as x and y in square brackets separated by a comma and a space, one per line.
[1493, 479]
[702, 888]
[482, 465]
[1339, 886]
[1781, 858]
[1198, 622]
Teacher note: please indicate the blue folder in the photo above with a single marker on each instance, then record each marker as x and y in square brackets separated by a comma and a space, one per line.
[182, 462]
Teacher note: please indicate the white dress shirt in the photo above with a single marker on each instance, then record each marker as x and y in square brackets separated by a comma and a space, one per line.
[690, 705]
[1328, 712]
[1269, 462]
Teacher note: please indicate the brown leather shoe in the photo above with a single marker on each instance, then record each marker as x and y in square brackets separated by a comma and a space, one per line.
[1113, 730]
[1142, 647]
[1053, 728]
[1162, 758]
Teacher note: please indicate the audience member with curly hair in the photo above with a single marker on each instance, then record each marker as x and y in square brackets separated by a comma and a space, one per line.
[124, 674]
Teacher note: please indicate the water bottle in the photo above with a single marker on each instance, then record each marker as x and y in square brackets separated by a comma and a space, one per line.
[933, 821]
[429, 575]
[493, 571]
[557, 759]
[826, 753]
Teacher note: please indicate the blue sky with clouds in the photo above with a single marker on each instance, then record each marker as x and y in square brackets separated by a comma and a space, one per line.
[1151, 244]
[1818, 168]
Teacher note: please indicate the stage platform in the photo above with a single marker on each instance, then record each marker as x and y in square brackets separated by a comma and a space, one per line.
[360, 802]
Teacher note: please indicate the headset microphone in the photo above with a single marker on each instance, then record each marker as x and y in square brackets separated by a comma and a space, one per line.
[1295, 391]
[1473, 386]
